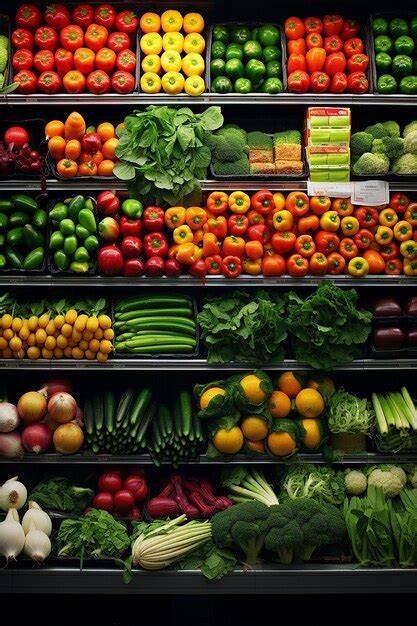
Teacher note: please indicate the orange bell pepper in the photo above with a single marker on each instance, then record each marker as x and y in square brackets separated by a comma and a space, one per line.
[218, 226]
[342, 206]
[198, 236]
[239, 202]
[233, 246]
[195, 217]
[213, 265]
[308, 224]
[320, 204]
[188, 253]
[297, 203]
[410, 215]
[217, 202]
[183, 234]
[251, 266]
[175, 216]
[211, 245]
[254, 250]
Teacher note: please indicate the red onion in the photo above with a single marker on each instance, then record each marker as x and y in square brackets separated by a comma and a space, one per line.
[55, 385]
[9, 417]
[37, 438]
[62, 407]
[91, 143]
[11, 445]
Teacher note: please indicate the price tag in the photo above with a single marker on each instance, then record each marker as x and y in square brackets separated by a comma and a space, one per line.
[334, 190]
[370, 192]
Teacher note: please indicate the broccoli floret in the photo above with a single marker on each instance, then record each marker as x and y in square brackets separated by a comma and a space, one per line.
[409, 128]
[287, 136]
[361, 142]
[391, 146]
[405, 164]
[240, 167]
[355, 482]
[410, 143]
[284, 533]
[259, 141]
[371, 164]
[392, 128]
[227, 148]
[377, 131]
[243, 525]
[231, 130]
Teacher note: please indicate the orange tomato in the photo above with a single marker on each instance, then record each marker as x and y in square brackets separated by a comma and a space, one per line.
[105, 168]
[193, 23]
[150, 23]
[87, 169]
[95, 158]
[75, 126]
[67, 168]
[109, 147]
[56, 147]
[105, 131]
[55, 128]
[73, 149]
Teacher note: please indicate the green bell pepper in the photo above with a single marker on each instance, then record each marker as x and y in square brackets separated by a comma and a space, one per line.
[383, 62]
[14, 258]
[76, 204]
[59, 212]
[268, 35]
[70, 244]
[79, 267]
[404, 45]
[34, 259]
[91, 243]
[132, 208]
[271, 53]
[413, 26]
[255, 71]
[86, 218]
[380, 26]
[32, 237]
[218, 50]
[234, 69]
[81, 255]
[252, 49]
[2, 240]
[6, 205]
[234, 51]
[243, 85]
[56, 240]
[386, 84]
[40, 219]
[383, 43]
[61, 260]
[408, 85]
[402, 65]
[240, 34]
[398, 26]
[272, 85]
[221, 33]
[254, 33]
[222, 84]
[217, 67]
[3, 262]
[67, 227]
[81, 232]
[4, 220]
[273, 69]
[15, 236]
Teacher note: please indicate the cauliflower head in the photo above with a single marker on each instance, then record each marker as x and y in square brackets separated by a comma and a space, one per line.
[355, 482]
[390, 481]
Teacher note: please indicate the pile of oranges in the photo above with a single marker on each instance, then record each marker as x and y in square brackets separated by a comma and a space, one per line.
[79, 150]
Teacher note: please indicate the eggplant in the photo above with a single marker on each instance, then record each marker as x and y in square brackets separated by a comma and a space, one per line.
[388, 338]
[386, 307]
[412, 338]
[411, 307]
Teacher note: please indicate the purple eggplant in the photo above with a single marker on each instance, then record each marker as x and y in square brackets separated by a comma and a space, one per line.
[388, 338]
[411, 307]
[386, 307]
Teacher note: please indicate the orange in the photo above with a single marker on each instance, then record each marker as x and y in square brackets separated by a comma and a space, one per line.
[105, 168]
[73, 149]
[281, 443]
[228, 441]
[309, 403]
[54, 128]
[255, 446]
[279, 404]
[56, 147]
[208, 395]
[105, 131]
[68, 438]
[289, 384]
[150, 22]
[254, 428]
[312, 436]
[108, 148]
[251, 386]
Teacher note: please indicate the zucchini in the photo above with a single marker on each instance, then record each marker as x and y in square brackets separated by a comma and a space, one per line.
[138, 410]
[109, 410]
[169, 348]
[148, 302]
[88, 416]
[24, 203]
[98, 406]
[177, 419]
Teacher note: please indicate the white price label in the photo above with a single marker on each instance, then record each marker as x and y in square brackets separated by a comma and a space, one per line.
[370, 192]
[334, 190]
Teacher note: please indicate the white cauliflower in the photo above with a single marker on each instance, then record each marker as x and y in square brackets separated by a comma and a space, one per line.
[355, 482]
[391, 479]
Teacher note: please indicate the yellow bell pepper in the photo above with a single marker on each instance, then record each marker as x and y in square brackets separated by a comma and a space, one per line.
[384, 235]
[403, 231]
[193, 64]
[172, 83]
[282, 220]
[151, 63]
[173, 41]
[171, 61]
[330, 221]
[388, 217]
[175, 216]
[349, 225]
[410, 268]
[193, 23]
[150, 83]
[358, 267]
[171, 21]
[194, 42]
[194, 86]
[252, 267]
[151, 43]
[409, 250]
[279, 201]
[410, 215]
[239, 202]
[183, 234]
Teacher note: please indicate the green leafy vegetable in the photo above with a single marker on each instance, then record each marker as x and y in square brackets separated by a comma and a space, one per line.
[348, 414]
[57, 494]
[244, 327]
[214, 562]
[309, 481]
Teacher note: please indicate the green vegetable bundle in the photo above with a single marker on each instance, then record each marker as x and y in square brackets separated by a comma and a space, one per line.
[57, 494]
[347, 413]
[309, 481]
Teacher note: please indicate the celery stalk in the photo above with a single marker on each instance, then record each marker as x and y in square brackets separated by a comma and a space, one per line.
[389, 415]
[403, 409]
[400, 420]
[410, 404]
[380, 417]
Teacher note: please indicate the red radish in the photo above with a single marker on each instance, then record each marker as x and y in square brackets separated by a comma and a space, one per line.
[62, 407]
[135, 513]
[17, 136]
[137, 486]
[111, 482]
[31, 407]
[11, 445]
[103, 500]
[37, 438]
[55, 386]
[123, 501]
[9, 417]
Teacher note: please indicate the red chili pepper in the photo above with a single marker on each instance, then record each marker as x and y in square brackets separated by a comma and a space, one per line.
[256, 218]
[348, 248]
[326, 242]
[357, 82]
[332, 24]
[350, 28]
[238, 224]
[263, 201]
[283, 242]
[390, 251]
[155, 244]
[363, 238]
[231, 266]
[333, 44]
[214, 264]
[297, 266]
[336, 263]
[366, 216]
[393, 267]
[335, 62]
[153, 218]
[353, 46]
[358, 63]
[320, 82]
[339, 83]
[130, 227]
[259, 233]
[399, 202]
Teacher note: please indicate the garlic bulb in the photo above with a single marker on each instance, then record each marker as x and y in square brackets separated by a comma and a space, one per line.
[13, 494]
[40, 518]
[12, 537]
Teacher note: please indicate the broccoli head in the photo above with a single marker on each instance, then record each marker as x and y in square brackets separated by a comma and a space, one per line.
[243, 525]
[409, 128]
[392, 128]
[361, 142]
[230, 147]
[391, 146]
[405, 164]
[410, 143]
[377, 131]
[230, 130]
[372, 164]
[235, 168]
[284, 536]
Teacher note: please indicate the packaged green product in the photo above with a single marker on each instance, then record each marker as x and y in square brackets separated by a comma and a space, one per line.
[339, 175]
[318, 136]
[338, 159]
[318, 159]
[317, 121]
[339, 121]
[319, 175]
[339, 135]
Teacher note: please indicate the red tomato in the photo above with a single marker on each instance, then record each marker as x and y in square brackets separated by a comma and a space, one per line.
[28, 16]
[72, 37]
[44, 61]
[57, 16]
[103, 501]
[46, 38]
[22, 39]
[122, 82]
[49, 82]
[118, 41]
[22, 60]
[105, 15]
[106, 60]
[98, 82]
[126, 21]
[123, 501]
[27, 81]
[83, 15]
[110, 481]
[126, 60]
[16, 135]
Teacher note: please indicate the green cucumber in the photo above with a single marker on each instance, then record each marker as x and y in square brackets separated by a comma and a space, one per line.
[139, 408]
[88, 416]
[98, 406]
[142, 302]
[24, 203]
[109, 410]
[180, 312]
[186, 408]
[40, 219]
[18, 218]
[147, 419]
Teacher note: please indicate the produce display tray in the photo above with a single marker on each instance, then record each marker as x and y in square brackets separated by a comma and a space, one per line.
[36, 130]
[5, 29]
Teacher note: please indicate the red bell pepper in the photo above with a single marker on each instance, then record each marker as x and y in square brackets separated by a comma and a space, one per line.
[83, 15]
[294, 28]
[305, 245]
[336, 263]
[238, 224]
[320, 82]
[333, 44]
[130, 228]
[297, 266]
[118, 41]
[27, 81]
[217, 202]
[283, 242]
[154, 266]
[254, 250]
[198, 269]
[363, 238]
[399, 202]
[28, 16]
[339, 83]
[110, 260]
[357, 82]
[105, 15]
[214, 264]
[296, 62]
[256, 218]
[263, 201]
[353, 46]
[298, 82]
[326, 242]
[50, 82]
[126, 22]
[57, 16]
[273, 265]
[23, 60]
[44, 61]
[316, 58]
[357, 63]
[348, 248]
[64, 61]
[390, 251]
[332, 24]
[133, 267]
[231, 266]
[366, 216]
[259, 233]
[308, 225]
[155, 244]
[153, 218]
[350, 29]
[217, 226]
[313, 25]
[108, 203]
[393, 267]
[314, 40]
[46, 38]
[297, 46]
[318, 264]
[22, 39]
[335, 62]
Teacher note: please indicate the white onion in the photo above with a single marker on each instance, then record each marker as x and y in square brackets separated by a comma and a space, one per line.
[37, 517]
[13, 494]
[37, 544]
[12, 537]
[9, 417]
[11, 445]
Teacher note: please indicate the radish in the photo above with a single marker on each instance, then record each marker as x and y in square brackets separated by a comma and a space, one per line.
[37, 438]
[110, 482]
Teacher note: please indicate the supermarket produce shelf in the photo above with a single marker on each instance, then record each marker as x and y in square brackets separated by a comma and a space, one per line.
[63, 99]
[88, 458]
[196, 365]
[270, 579]
[21, 280]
